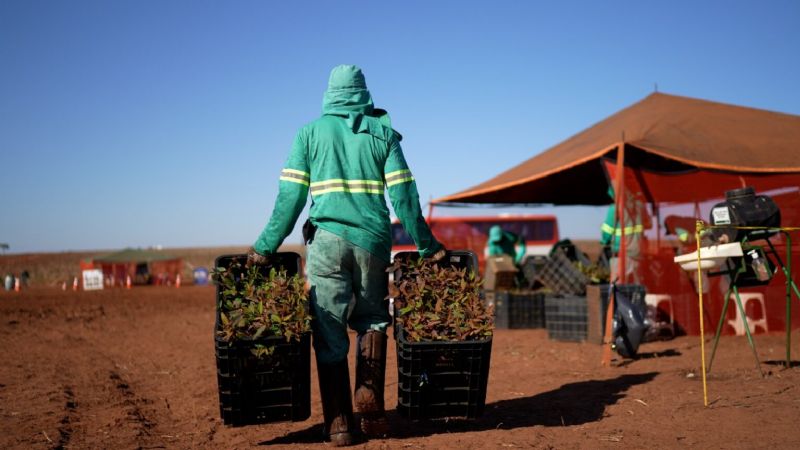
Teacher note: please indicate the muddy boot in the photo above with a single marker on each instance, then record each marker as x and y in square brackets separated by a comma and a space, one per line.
[370, 378]
[337, 408]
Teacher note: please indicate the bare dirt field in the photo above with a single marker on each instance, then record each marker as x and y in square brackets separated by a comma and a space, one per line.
[136, 369]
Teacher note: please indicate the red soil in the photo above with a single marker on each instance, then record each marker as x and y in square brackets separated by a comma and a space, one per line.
[136, 369]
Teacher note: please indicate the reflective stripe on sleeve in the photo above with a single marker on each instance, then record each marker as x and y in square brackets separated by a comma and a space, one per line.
[398, 176]
[295, 176]
[606, 228]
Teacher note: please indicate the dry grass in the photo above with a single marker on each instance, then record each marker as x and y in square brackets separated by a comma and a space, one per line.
[50, 269]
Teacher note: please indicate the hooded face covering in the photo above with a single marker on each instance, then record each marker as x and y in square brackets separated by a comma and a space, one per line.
[495, 234]
[347, 93]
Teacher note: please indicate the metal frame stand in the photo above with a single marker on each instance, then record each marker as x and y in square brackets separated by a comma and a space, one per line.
[735, 273]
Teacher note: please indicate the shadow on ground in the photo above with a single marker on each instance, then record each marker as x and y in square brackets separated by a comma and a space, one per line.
[570, 404]
[650, 355]
[782, 363]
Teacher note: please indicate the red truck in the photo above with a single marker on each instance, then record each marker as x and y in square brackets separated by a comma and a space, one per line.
[470, 233]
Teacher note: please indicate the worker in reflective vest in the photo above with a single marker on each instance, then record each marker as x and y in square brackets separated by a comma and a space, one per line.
[502, 242]
[636, 221]
[346, 160]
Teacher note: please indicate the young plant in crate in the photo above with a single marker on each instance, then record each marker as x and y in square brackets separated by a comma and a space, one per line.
[439, 303]
[596, 273]
[255, 305]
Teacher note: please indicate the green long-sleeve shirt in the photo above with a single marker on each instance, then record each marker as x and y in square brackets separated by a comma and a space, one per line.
[347, 159]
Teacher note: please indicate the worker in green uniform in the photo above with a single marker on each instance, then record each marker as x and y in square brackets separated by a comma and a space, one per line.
[636, 222]
[346, 160]
[502, 242]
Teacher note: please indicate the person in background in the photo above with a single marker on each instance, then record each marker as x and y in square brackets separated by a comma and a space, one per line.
[502, 242]
[346, 160]
[636, 222]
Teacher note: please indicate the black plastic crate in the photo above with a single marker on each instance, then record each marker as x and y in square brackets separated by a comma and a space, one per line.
[566, 317]
[560, 275]
[272, 388]
[442, 379]
[519, 309]
[532, 266]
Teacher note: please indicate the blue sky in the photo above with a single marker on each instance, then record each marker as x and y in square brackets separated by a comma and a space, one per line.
[138, 123]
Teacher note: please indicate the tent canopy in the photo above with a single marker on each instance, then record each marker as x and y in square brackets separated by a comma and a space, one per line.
[661, 133]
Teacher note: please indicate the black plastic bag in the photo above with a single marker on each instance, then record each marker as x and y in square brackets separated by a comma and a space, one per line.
[629, 325]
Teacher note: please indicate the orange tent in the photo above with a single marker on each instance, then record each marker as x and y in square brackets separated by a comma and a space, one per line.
[662, 133]
[680, 156]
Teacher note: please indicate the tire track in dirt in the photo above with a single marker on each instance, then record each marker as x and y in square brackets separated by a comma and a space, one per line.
[70, 413]
[141, 423]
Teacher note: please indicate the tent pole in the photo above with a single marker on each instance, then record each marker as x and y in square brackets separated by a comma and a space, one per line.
[619, 199]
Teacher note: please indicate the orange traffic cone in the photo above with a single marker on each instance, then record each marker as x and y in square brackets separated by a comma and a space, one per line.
[178, 280]
[128, 282]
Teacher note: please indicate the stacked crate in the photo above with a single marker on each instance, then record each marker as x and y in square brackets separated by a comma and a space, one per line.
[566, 317]
[517, 308]
[439, 379]
[272, 388]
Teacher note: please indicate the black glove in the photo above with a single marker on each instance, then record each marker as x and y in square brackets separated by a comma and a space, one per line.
[256, 259]
[605, 255]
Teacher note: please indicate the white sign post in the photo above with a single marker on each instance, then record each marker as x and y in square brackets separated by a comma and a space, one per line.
[92, 280]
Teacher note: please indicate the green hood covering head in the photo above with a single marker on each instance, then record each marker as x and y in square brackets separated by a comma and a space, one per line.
[495, 233]
[347, 93]
[348, 97]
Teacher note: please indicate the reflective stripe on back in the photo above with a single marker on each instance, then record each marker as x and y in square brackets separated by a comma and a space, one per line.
[350, 186]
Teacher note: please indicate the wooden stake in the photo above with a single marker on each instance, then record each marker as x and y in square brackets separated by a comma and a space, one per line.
[619, 197]
[698, 229]
[608, 335]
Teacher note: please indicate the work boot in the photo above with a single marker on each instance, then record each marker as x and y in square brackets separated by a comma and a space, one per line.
[337, 407]
[370, 378]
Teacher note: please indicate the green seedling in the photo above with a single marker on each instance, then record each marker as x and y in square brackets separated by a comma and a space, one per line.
[596, 273]
[255, 306]
[439, 303]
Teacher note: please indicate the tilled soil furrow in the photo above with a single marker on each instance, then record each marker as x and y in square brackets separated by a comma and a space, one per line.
[141, 422]
[65, 429]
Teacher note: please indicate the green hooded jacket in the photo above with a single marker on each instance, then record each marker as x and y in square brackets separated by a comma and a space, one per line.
[347, 159]
[502, 242]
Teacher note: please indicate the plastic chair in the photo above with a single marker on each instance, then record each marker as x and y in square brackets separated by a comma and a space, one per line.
[738, 324]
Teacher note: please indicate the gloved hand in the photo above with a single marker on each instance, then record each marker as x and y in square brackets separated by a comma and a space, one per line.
[256, 259]
[438, 256]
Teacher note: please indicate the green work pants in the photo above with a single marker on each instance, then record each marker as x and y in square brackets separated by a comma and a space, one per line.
[340, 272]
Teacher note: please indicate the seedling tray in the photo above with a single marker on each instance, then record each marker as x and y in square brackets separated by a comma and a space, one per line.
[272, 388]
[438, 379]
